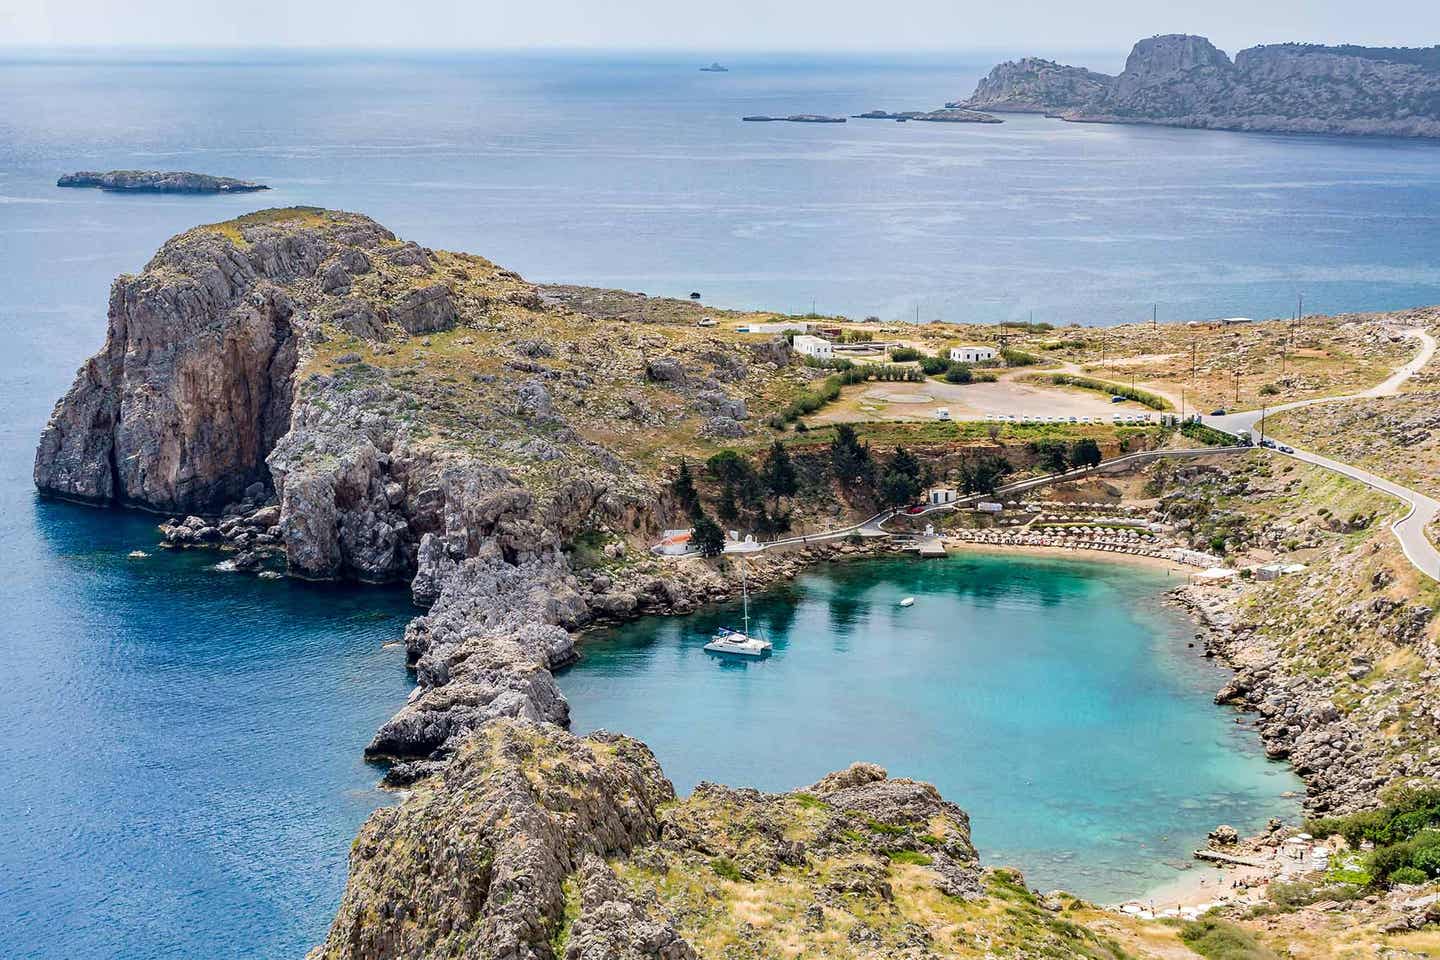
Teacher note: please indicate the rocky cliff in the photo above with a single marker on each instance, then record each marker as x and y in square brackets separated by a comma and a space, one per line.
[535, 844]
[1180, 80]
[301, 381]
[1033, 85]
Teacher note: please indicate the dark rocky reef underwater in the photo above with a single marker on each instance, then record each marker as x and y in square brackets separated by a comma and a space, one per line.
[155, 181]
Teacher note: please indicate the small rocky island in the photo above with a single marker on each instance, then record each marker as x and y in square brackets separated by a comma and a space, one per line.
[947, 115]
[1185, 81]
[794, 118]
[156, 181]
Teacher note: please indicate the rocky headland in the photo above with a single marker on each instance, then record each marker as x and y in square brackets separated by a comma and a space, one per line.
[1185, 81]
[303, 388]
[155, 181]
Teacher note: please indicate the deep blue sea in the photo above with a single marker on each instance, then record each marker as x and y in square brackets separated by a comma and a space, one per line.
[1056, 700]
[184, 774]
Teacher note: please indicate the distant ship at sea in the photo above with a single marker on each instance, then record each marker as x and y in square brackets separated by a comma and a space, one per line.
[715, 67]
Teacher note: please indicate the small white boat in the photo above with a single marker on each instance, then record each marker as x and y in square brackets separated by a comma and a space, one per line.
[908, 602]
[740, 643]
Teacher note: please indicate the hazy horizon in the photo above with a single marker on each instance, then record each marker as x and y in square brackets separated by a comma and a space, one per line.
[759, 26]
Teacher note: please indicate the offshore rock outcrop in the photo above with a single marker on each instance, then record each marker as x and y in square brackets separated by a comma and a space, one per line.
[155, 181]
[1181, 80]
[532, 843]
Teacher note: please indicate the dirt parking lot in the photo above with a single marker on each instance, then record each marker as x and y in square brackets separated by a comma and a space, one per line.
[970, 401]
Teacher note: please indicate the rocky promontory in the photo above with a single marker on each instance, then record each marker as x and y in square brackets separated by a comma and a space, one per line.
[155, 181]
[538, 844]
[1185, 81]
[1033, 85]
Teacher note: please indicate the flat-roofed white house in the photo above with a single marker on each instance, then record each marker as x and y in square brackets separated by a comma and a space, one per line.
[940, 495]
[785, 326]
[817, 347]
[971, 354]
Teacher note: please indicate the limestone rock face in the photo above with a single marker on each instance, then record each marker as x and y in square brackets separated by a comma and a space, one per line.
[530, 842]
[1033, 85]
[1181, 80]
[427, 310]
[193, 387]
[474, 862]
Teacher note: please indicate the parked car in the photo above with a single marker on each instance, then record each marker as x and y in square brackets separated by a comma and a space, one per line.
[914, 508]
[1268, 443]
[1220, 412]
[1285, 449]
[1115, 399]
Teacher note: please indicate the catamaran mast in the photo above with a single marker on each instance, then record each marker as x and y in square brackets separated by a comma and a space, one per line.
[745, 595]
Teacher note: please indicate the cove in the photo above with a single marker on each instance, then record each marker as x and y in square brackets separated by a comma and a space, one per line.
[1054, 699]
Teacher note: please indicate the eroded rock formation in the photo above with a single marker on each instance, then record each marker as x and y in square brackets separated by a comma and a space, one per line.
[1181, 80]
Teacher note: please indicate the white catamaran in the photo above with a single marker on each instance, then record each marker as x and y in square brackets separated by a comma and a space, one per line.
[736, 642]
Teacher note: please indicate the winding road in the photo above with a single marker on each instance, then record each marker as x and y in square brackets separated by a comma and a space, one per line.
[1409, 529]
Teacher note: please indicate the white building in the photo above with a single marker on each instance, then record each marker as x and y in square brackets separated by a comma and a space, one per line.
[941, 495]
[817, 347]
[788, 326]
[972, 354]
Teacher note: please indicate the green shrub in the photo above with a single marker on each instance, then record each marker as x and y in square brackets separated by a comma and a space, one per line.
[904, 355]
[960, 373]
[725, 867]
[1018, 358]
[1209, 436]
[911, 856]
[1218, 939]
[1408, 875]
[934, 366]
[1153, 401]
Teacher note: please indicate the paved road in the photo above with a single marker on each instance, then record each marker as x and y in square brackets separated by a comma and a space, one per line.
[1409, 529]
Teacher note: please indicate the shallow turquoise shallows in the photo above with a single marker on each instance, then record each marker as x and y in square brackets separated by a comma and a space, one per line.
[1056, 700]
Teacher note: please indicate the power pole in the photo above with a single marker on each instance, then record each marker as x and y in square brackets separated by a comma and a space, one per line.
[1192, 360]
[1237, 384]
[1154, 316]
[1263, 408]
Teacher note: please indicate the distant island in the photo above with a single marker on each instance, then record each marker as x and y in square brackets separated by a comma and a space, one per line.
[154, 181]
[947, 115]
[1185, 81]
[795, 118]
[715, 67]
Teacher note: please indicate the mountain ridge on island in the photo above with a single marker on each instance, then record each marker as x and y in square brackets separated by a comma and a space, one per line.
[157, 181]
[1186, 81]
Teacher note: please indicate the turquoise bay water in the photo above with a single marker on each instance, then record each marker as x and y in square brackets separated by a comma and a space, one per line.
[1055, 700]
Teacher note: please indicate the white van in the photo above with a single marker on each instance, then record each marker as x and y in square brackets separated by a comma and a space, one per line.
[942, 413]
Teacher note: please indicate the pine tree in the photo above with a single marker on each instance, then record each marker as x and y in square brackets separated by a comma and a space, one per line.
[849, 458]
[779, 473]
[707, 535]
[683, 487]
